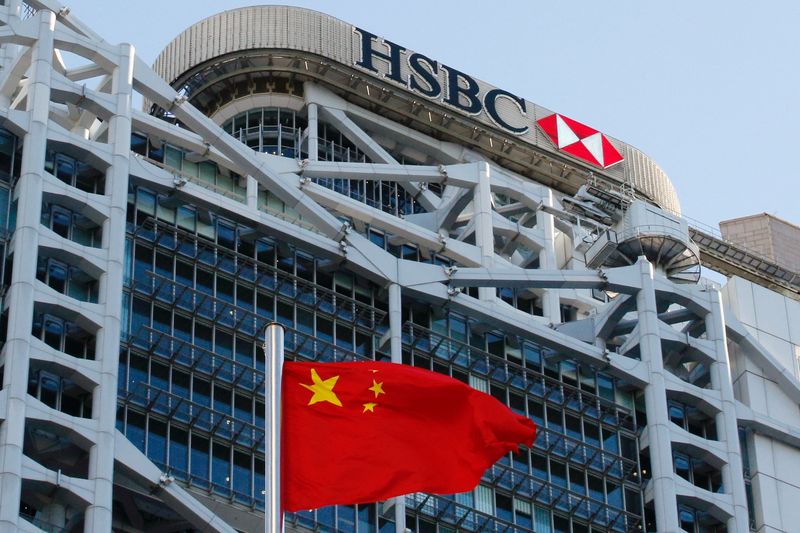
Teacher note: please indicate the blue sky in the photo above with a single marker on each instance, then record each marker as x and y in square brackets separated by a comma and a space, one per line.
[709, 89]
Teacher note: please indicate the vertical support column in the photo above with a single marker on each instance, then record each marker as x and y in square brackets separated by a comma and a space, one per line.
[551, 304]
[655, 399]
[9, 51]
[313, 132]
[252, 193]
[396, 346]
[727, 425]
[396, 322]
[21, 293]
[251, 185]
[484, 228]
[104, 399]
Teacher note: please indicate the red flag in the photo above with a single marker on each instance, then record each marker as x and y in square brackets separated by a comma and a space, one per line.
[365, 432]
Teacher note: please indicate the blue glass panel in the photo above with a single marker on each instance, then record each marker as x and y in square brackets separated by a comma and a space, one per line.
[199, 460]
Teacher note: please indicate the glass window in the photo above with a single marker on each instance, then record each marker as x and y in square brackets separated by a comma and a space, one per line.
[686, 517]
[484, 499]
[4, 198]
[614, 493]
[560, 524]
[159, 376]
[155, 151]
[558, 473]
[137, 373]
[542, 520]
[574, 427]
[682, 466]
[596, 488]
[57, 276]
[178, 448]
[366, 518]
[577, 481]
[173, 157]
[186, 218]
[676, 414]
[605, 387]
[569, 373]
[221, 465]
[222, 399]
[157, 442]
[61, 221]
[503, 506]
[180, 383]
[146, 202]
[539, 465]
[610, 442]
[554, 421]
[49, 390]
[135, 429]
[243, 408]
[346, 518]
[259, 469]
[7, 148]
[199, 458]
[201, 391]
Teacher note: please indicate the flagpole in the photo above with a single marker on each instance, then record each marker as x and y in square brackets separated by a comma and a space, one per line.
[396, 347]
[273, 353]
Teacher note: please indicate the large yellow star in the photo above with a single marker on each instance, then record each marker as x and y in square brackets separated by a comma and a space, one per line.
[377, 388]
[322, 389]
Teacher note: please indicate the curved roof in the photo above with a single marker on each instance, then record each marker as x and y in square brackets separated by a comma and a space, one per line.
[287, 39]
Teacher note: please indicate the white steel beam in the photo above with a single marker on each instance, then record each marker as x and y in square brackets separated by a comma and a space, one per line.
[22, 288]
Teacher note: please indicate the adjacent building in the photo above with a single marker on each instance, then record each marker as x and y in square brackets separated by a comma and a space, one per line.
[767, 235]
[381, 205]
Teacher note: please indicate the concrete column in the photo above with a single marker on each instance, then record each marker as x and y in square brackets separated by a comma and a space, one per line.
[104, 399]
[551, 304]
[9, 51]
[484, 228]
[655, 399]
[21, 291]
[727, 425]
[313, 132]
[252, 192]
[396, 346]
[396, 322]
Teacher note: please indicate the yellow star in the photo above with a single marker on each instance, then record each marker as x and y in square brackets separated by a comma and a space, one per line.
[322, 389]
[377, 388]
[369, 407]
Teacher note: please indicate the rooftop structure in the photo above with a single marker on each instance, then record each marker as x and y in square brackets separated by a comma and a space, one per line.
[768, 235]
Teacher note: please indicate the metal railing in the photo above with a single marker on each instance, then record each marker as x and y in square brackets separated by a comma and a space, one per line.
[243, 322]
[514, 375]
[448, 512]
[300, 291]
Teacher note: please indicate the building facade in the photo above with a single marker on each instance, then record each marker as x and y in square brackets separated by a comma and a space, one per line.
[380, 205]
[768, 235]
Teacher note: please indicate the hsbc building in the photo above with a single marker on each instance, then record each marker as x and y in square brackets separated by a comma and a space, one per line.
[380, 205]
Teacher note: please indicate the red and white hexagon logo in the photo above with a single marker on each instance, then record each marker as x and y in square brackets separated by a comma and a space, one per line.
[580, 140]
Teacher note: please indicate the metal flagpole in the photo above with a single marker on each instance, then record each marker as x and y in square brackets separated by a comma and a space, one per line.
[396, 346]
[273, 352]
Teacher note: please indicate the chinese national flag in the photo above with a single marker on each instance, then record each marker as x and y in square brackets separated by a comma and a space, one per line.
[365, 432]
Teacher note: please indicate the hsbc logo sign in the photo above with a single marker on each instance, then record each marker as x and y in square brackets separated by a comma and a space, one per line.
[580, 140]
[444, 84]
